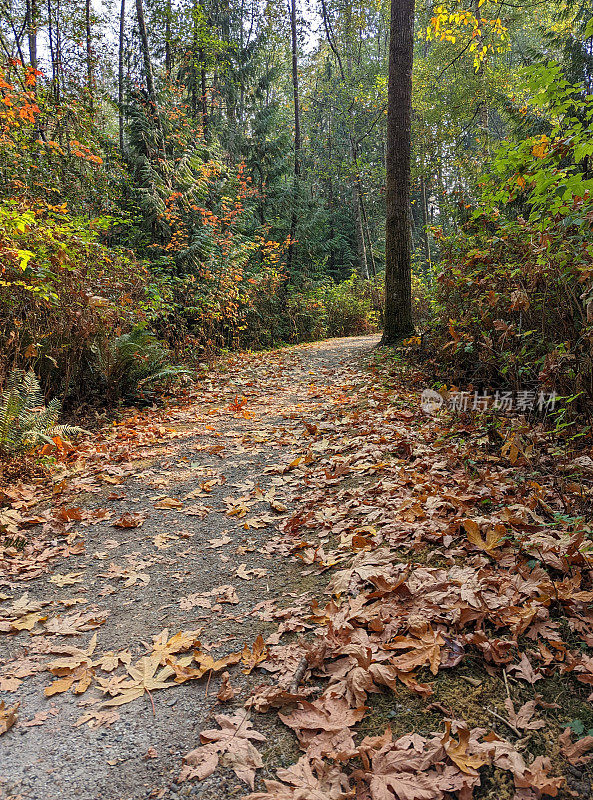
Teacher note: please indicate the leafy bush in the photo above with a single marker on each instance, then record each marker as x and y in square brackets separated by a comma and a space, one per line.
[25, 420]
[63, 293]
[514, 300]
[349, 308]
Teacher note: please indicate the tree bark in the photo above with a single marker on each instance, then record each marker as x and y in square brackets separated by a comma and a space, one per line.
[297, 132]
[168, 49]
[120, 75]
[33, 20]
[145, 52]
[398, 241]
[89, 53]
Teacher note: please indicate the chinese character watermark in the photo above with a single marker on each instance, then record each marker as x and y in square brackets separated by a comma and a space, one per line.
[520, 402]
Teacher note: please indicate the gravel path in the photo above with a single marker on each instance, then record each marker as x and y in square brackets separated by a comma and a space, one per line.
[197, 562]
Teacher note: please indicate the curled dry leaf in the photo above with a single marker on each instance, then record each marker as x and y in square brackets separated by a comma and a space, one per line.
[130, 520]
[574, 752]
[226, 692]
[254, 656]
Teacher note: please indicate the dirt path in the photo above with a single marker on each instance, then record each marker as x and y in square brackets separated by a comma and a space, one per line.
[412, 595]
[210, 481]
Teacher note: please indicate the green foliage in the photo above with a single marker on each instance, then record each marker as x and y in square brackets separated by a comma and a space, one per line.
[25, 420]
[324, 309]
[134, 362]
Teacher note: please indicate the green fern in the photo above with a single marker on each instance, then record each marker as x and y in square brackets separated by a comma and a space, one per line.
[25, 420]
[134, 361]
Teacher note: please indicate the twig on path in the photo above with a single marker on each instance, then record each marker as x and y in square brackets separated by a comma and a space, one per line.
[506, 683]
[298, 675]
[208, 684]
[506, 722]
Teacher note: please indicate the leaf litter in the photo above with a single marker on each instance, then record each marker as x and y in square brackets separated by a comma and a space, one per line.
[431, 569]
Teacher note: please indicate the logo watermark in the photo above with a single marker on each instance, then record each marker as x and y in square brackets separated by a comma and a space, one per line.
[519, 402]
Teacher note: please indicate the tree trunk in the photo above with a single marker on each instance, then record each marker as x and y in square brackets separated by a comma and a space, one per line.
[297, 132]
[120, 75]
[168, 49]
[363, 267]
[89, 53]
[145, 52]
[33, 20]
[425, 222]
[398, 241]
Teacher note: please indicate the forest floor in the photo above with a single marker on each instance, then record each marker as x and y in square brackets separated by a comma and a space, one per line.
[294, 533]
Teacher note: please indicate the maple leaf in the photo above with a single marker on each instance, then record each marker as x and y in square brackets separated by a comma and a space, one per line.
[144, 679]
[323, 726]
[495, 536]
[364, 567]
[254, 656]
[8, 716]
[231, 745]
[73, 624]
[424, 648]
[97, 719]
[168, 502]
[67, 580]
[75, 667]
[525, 671]
[536, 778]
[129, 520]
[522, 718]
[574, 751]
[307, 780]
[181, 642]
[26, 622]
[459, 751]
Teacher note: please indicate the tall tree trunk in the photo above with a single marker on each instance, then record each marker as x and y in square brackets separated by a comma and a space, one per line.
[89, 53]
[425, 222]
[363, 267]
[33, 20]
[367, 230]
[297, 132]
[149, 75]
[145, 52]
[168, 48]
[52, 52]
[398, 241]
[120, 74]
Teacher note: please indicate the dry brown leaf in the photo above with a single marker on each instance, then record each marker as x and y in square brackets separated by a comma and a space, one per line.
[254, 656]
[8, 716]
[574, 751]
[130, 520]
[231, 745]
[226, 692]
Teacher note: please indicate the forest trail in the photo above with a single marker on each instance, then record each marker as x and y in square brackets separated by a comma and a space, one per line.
[297, 521]
[234, 438]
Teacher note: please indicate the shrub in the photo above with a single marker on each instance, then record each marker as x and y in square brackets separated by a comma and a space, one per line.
[63, 294]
